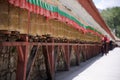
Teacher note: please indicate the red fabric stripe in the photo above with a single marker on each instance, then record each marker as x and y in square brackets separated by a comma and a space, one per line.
[49, 14]
[17, 3]
[11, 1]
[38, 10]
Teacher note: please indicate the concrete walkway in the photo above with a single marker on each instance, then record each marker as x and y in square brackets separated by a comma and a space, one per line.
[105, 67]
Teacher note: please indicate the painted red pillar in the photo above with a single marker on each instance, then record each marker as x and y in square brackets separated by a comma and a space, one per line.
[50, 53]
[22, 62]
[88, 51]
[76, 49]
[85, 51]
[66, 50]
[82, 47]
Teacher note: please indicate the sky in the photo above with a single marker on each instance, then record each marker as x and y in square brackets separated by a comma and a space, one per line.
[103, 4]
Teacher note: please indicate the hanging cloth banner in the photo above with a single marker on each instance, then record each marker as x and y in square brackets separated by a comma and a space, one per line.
[50, 11]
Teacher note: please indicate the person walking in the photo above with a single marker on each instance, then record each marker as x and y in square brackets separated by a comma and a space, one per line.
[104, 45]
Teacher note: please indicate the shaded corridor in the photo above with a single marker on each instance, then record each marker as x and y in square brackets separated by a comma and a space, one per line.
[105, 67]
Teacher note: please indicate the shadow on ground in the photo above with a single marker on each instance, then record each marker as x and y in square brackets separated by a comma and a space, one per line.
[75, 70]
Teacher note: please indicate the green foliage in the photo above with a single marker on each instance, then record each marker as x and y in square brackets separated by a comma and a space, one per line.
[112, 18]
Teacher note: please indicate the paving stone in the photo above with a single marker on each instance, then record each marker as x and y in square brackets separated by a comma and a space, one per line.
[105, 67]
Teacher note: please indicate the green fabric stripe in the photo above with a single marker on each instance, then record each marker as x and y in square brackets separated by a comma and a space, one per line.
[89, 27]
[56, 9]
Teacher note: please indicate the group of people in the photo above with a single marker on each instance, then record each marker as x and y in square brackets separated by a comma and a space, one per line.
[106, 45]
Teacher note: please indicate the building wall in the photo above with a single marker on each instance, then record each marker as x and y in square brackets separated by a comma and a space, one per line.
[83, 15]
[16, 19]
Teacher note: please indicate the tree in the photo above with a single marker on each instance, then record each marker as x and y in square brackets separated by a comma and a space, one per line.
[112, 18]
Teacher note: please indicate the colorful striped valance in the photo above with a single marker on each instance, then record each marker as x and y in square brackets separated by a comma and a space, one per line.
[51, 11]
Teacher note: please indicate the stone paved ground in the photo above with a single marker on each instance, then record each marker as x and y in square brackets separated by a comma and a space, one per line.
[105, 67]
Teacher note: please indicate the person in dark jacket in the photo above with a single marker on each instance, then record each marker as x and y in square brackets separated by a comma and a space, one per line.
[110, 45]
[104, 45]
